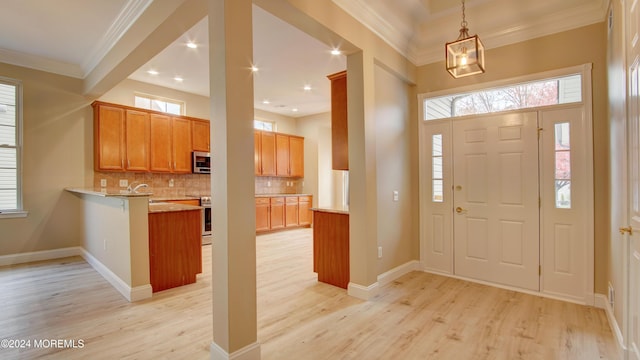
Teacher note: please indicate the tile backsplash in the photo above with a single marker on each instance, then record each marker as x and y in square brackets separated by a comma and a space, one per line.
[161, 185]
[278, 185]
[192, 184]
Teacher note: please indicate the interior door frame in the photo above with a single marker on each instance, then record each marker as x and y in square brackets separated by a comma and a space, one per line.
[587, 101]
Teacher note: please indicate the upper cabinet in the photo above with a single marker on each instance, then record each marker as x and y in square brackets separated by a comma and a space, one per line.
[200, 135]
[289, 155]
[132, 139]
[339, 131]
[265, 153]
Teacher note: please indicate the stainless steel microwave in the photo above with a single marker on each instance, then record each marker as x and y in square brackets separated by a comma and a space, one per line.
[201, 162]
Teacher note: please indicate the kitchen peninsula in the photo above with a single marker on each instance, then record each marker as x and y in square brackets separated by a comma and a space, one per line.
[118, 227]
[331, 245]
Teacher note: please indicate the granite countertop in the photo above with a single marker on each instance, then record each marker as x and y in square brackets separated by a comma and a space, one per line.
[334, 209]
[105, 192]
[280, 195]
[156, 199]
[158, 207]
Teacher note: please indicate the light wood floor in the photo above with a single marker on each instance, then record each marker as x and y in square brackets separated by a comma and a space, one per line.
[419, 316]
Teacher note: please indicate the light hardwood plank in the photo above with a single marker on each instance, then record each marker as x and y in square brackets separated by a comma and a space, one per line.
[419, 316]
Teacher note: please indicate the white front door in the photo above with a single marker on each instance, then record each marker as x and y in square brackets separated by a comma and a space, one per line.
[633, 229]
[495, 199]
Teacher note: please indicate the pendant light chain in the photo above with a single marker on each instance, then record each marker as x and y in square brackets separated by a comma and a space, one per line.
[464, 19]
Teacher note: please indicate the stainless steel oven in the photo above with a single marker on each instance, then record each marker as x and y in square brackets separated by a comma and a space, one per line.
[205, 202]
[201, 162]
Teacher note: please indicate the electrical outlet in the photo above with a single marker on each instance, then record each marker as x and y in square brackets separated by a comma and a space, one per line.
[396, 196]
[105, 244]
[379, 252]
[171, 183]
[268, 183]
[124, 182]
[103, 182]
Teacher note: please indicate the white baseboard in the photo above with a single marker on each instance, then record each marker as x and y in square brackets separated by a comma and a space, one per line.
[363, 292]
[602, 302]
[28, 257]
[398, 271]
[249, 352]
[131, 294]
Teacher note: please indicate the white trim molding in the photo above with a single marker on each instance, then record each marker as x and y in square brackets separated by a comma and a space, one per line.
[21, 258]
[363, 292]
[601, 302]
[391, 275]
[131, 294]
[249, 352]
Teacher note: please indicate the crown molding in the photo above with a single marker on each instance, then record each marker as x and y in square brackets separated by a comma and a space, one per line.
[127, 17]
[363, 13]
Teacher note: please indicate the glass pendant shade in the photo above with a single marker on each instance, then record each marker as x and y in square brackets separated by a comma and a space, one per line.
[465, 56]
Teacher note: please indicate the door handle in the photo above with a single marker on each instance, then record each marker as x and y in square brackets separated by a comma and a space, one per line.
[460, 210]
[627, 229]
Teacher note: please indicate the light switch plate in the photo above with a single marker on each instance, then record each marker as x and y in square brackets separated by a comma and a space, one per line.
[124, 183]
[396, 196]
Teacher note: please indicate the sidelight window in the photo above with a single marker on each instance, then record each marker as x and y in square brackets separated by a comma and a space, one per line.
[155, 103]
[562, 165]
[436, 173]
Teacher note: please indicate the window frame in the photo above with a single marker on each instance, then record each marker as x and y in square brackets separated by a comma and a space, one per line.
[151, 98]
[19, 210]
[273, 125]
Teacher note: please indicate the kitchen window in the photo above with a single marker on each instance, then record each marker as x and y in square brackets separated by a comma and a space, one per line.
[264, 125]
[10, 148]
[155, 103]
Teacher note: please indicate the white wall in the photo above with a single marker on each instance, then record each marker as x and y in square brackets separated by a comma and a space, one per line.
[316, 130]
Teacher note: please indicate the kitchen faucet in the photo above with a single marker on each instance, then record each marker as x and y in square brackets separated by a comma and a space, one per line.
[132, 189]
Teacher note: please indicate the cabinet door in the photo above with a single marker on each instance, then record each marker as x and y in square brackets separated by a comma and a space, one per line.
[109, 137]
[277, 213]
[200, 135]
[339, 131]
[282, 155]
[304, 210]
[291, 211]
[181, 150]
[160, 140]
[296, 156]
[137, 140]
[268, 153]
[262, 214]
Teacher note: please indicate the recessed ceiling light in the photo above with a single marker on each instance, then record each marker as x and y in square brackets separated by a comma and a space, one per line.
[336, 52]
[153, 72]
[254, 68]
[266, 102]
[307, 87]
[294, 109]
[178, 79]
[192, 45]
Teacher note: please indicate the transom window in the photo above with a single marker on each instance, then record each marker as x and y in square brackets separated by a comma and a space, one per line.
[150, 102]
[264, 125]
[554, 91]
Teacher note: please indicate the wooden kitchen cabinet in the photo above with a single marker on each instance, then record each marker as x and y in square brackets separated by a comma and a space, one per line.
[265, 153]
[339, 131]
[137, 125]
[276, 216]
[289, 155]
[170, 139]
[109, 137]
[175, 248]
[263, 222]
[291, 211]
[305, 215]
[331, 247]
[200, 130]
[281, 212]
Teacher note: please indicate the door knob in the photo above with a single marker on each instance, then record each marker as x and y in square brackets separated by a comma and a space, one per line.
[459, 210]
[624, 230]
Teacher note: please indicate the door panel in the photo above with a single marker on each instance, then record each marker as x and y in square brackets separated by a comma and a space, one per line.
[496, 224]
[633, 182]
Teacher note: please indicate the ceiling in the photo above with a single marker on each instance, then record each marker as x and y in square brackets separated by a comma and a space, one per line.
[73, 42]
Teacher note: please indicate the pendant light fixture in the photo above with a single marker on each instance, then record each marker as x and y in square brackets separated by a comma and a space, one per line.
[465, 56]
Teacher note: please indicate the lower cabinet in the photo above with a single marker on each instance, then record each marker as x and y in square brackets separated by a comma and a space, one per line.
[175, 248]
[281, 212]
